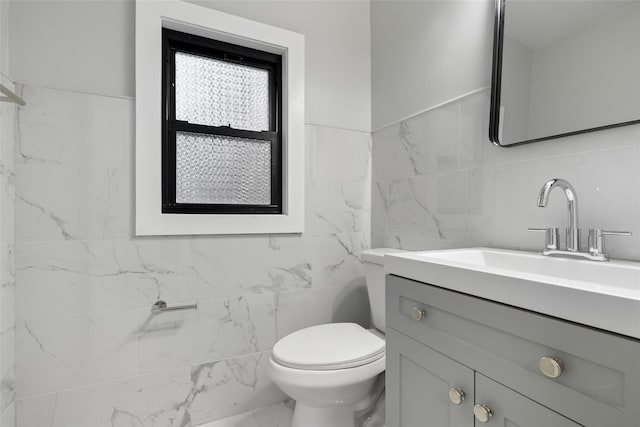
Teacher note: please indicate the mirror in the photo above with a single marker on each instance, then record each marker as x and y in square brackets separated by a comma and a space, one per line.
[563, 67]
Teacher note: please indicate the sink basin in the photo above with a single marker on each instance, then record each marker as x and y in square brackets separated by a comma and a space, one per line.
[615, 275]
[604, 295]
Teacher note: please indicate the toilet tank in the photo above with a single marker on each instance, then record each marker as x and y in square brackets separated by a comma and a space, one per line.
[374, 275]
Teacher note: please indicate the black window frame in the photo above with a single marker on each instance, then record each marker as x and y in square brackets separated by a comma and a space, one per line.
[176, 41]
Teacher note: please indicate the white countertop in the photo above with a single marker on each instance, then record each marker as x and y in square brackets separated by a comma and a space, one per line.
[604, 295]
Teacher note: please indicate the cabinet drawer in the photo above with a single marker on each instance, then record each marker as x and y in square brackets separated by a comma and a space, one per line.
[600, 380]
[512, 409]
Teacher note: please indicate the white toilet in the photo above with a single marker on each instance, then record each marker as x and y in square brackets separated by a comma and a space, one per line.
[330, 369]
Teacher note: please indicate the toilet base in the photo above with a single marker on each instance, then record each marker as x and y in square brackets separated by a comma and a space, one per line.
[332, 416]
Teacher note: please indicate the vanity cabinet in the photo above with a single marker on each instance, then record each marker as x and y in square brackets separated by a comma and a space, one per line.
[439, 340]
[418, 383]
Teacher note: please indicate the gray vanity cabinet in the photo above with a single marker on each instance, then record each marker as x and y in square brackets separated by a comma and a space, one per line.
[513, 409]
[438, 340]
[420, 380]
[418, 384]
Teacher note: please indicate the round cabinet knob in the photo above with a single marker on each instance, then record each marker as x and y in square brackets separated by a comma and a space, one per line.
[418, 313]
[550, 366]
[456, 396]
[483, 413]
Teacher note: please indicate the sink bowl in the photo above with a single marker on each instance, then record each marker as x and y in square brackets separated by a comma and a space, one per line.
[604, 295]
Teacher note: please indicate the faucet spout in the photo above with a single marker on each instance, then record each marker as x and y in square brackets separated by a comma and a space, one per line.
[573, 234]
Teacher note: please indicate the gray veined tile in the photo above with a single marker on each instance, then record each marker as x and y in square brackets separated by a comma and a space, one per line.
[383, 240]
[244, 265]
[296, 310]
[337, 187]
[337, 259]
[67, 203]
[379, 207]
[390, 159]
[335, 207]
[482, 205]
[94, 276]
[8, 416]
[277, 415]
[74, 129]
[231, 387]
[603, 201]
[443, 136]
[8, 372]
[413, 138]
[73, 351]
[141, 401]
[353, 164]
[474, 130]
[7, 267]
[407, 212]
[218, 329]
[453, 193]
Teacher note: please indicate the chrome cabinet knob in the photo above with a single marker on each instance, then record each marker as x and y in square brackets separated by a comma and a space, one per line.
[550, 366]
[418, 314]
[456, 396]
[483, 413]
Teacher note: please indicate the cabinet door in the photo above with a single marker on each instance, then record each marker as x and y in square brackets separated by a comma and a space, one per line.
[418, 384]
[513, 409]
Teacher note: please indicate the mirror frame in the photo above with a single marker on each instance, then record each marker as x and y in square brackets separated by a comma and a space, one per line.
[496, 86]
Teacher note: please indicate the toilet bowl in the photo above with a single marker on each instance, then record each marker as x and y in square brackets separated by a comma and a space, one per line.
[330, 369]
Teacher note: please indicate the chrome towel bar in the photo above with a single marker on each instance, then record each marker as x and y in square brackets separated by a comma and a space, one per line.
[161, 306]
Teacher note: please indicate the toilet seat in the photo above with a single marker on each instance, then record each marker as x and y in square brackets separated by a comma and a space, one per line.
[329, 347]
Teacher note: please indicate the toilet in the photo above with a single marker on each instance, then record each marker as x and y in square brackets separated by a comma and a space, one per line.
[330, 370]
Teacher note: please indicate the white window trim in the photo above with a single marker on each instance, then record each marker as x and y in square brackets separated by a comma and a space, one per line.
[151, 17]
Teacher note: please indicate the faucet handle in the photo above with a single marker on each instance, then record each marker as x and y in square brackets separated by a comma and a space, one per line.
[596, 239]
[551, 236]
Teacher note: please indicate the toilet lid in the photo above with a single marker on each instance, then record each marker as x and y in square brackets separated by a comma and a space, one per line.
[330, 346]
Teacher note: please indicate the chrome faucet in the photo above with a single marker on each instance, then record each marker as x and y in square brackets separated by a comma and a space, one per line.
[596, 236]
[573, 232]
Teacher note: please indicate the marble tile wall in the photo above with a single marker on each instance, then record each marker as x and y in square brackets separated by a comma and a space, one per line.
[90, 352]
[278, 415]
[7, 266]
[437, 182]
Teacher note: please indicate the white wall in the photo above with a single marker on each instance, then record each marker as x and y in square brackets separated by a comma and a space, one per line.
[96, 357]
[424, 53]
[87, 46]
[83, 46]
[338, 65]
[4, 38]
[438, 182]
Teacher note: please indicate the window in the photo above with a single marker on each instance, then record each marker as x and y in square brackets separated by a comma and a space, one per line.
[222, 118]
[205, 167]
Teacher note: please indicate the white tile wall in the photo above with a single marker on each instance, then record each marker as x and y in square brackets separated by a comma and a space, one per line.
[90, 352]
[439, 183]
[337, 193]
[300, 309]
[7, 266]
[231, 386]
[8, 417]
[278, 264]
[219, 329]
[100, 275]
[152, 400]
[278, 415]
[95, 203]
[62, 352]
